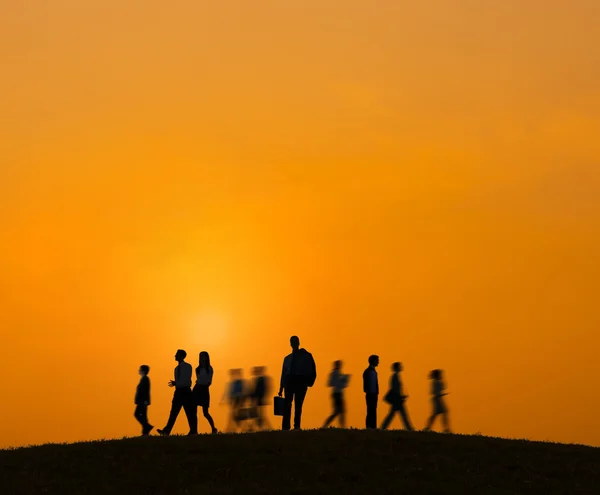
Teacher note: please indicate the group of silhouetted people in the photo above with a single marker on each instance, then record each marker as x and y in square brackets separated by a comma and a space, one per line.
[247, 399]
[396, 399]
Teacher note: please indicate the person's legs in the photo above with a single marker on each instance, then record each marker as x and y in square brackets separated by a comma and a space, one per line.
[259, 420]
[288, 395]
[139, 416]
[143, 419]
[430, 422]
[372, 411]
[446, 422]
[342, 410]
[388, 419]
[404, 415]
[299, 395]
[191, 411]
[208, 418]
[176, 406]
[333, 415]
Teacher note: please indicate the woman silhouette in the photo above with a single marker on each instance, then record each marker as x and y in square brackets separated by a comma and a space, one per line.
[437, 399]
[204, 376]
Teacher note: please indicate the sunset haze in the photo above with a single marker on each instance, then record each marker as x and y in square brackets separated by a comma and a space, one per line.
[414, 179]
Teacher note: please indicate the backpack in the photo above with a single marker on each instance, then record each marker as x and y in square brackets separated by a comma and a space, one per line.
[312, 377]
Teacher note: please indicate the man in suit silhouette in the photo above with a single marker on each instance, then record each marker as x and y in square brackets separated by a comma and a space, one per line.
[371, 389]
[182, 397]
[142, 400]
[299, 372]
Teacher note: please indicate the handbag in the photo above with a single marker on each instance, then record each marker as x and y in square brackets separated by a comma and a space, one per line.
[278, 406]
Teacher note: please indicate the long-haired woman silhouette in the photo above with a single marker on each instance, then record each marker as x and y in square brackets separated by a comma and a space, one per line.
[204, 376]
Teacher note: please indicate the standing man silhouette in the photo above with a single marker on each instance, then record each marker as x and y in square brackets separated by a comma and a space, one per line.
[298, 373]
[371, 389]
[142, 400]
[182, 397]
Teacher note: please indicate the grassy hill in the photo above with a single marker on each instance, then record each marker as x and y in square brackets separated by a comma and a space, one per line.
[326, 461]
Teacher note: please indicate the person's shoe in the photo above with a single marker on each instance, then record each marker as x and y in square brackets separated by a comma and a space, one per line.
[147, 431]
[215, 431]
[192, 434]
[163, 433]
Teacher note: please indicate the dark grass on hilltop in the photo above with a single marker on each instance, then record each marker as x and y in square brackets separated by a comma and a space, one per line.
[326, 461]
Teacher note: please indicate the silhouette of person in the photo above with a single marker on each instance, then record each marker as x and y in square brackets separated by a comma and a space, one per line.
[337, 382]
[182, 397]
[299, 372]
[142, 400]
[204, 377]
[437, 399]
[258, 396]
[371, 389]
[396, 399]
[235, 396]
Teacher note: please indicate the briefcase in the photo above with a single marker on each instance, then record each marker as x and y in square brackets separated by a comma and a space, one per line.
[278, 406]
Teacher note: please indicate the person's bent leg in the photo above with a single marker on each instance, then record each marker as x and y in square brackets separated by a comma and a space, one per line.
[405, 419]
[176, 406]
[430, 422]
[208, 418]
[388, 419]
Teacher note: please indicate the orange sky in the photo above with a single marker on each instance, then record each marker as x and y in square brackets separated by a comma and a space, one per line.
[414, 179]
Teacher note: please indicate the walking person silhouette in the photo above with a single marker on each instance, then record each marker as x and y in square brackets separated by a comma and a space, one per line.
[235, 396]
[298, 373]
[182, 397]
[201, 392]
[439, 406]
[142, 400]
[396, 399]
[371, 389]
[258, 396]
[337, 382]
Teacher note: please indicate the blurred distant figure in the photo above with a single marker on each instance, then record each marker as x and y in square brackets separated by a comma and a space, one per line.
[337, 382]
[258, 396]
[437, 399]
[204, 377]
[396, 399]
[235, 397]
[371, 389]
[142, 400]
[299, 372]
[182, 397]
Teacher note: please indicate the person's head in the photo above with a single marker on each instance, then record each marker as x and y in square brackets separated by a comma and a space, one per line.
[374, 360]
[337, 365]
[204, 360]
[144, 369]
[436, 375]
[397, 367]
[180, 355]
[295, 343]
[258, 370]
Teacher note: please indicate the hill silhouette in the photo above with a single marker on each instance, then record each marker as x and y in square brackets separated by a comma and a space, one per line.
[321, 461]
